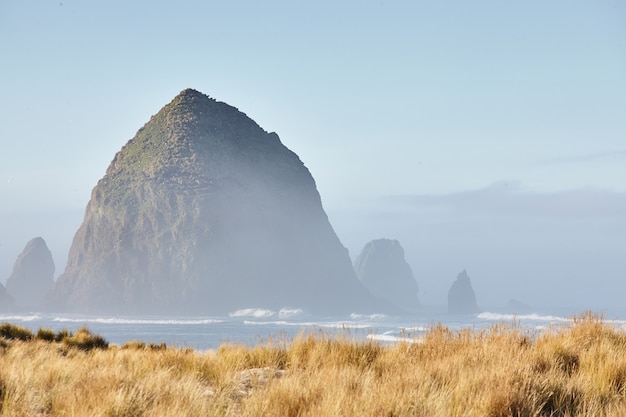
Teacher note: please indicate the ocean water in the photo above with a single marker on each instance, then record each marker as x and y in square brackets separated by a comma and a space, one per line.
[253, 326]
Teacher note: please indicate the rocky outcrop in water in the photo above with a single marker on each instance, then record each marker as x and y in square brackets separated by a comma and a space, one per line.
[514, 306]
[33, 275]
[461, 297]
[381, 267]
[205, 212]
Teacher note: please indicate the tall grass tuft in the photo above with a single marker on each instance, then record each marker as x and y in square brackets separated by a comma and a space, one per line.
[47, 335]
[13, 331]
[84, 339]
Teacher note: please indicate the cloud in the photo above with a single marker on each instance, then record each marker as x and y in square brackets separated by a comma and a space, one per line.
[510, 199]
[562, 248]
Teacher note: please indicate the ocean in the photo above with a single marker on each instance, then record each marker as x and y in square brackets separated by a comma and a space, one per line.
[256, 326]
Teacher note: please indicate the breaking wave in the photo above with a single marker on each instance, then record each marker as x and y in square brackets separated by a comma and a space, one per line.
[261, 313]
[388, 337]
[355, 316]
[417, 329]
[30, 317]
[511, 317]
[112, 320]
[252, 312]
[289, 312]
[324, 325]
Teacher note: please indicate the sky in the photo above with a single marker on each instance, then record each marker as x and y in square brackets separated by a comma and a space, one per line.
[485, 135]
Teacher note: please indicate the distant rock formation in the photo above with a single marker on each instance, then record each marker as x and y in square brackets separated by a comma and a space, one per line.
[205, 212]
[461, 297]
[514, 306]
[381, 267]
[33, 275]
[6, 301]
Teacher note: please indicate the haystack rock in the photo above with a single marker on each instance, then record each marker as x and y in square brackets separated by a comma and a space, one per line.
[33, 275]
[205, 212]
[381, 267]
[461, 297]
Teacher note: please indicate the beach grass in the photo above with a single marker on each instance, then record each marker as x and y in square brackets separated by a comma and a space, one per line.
[577, 369]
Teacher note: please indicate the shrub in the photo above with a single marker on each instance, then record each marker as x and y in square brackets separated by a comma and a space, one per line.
[46, 334]
[62, 335]
[13, 331]
[83, 339]
[134, 345]
[137, 345]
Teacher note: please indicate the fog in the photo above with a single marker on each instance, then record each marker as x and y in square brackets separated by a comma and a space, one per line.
[562, 249]
[549, 250]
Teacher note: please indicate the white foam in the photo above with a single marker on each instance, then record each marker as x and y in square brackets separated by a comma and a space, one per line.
[287, 312]
[327, 325]
[511, 317]
[270, 323]
[343, 325]
[355, 316]
[620, 323]
[252, 312]
[389, 338]
[416, 329]
[30, 317]
[114, 320]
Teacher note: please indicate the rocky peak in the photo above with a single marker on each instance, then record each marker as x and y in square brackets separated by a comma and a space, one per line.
[203, 211]
[461, 297]
[381, 267]
[32, 276]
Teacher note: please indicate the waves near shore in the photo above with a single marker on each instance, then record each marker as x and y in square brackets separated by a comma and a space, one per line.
[248, 325]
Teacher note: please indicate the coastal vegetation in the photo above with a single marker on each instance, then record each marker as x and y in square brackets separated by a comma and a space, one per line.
[577, 369]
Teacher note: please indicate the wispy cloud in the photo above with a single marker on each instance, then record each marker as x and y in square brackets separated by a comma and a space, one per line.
[511, 199]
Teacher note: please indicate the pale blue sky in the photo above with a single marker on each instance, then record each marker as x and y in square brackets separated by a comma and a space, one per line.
[481, 134]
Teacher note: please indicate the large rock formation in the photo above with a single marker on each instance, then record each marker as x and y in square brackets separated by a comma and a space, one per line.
[33, 275]
[381, 267]
[461, 297]
[205, 212]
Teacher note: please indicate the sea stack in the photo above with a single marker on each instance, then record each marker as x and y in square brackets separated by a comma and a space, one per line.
[381, 267]
[514, 306]
[461, 297]
[205, 212]
[32, 277]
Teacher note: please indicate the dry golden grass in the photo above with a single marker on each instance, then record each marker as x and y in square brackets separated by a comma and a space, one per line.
[575, 370]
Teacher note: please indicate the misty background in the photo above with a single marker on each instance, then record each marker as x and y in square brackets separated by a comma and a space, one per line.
[485, 136]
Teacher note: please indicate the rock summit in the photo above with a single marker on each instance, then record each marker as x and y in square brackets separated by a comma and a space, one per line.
[33, 275]
[461, 297]
[381, 267]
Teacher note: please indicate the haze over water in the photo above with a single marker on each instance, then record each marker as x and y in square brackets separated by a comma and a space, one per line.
[254, 326]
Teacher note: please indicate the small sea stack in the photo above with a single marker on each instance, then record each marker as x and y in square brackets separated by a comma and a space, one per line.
[461, 297]
[32, 277]
[381, 267]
